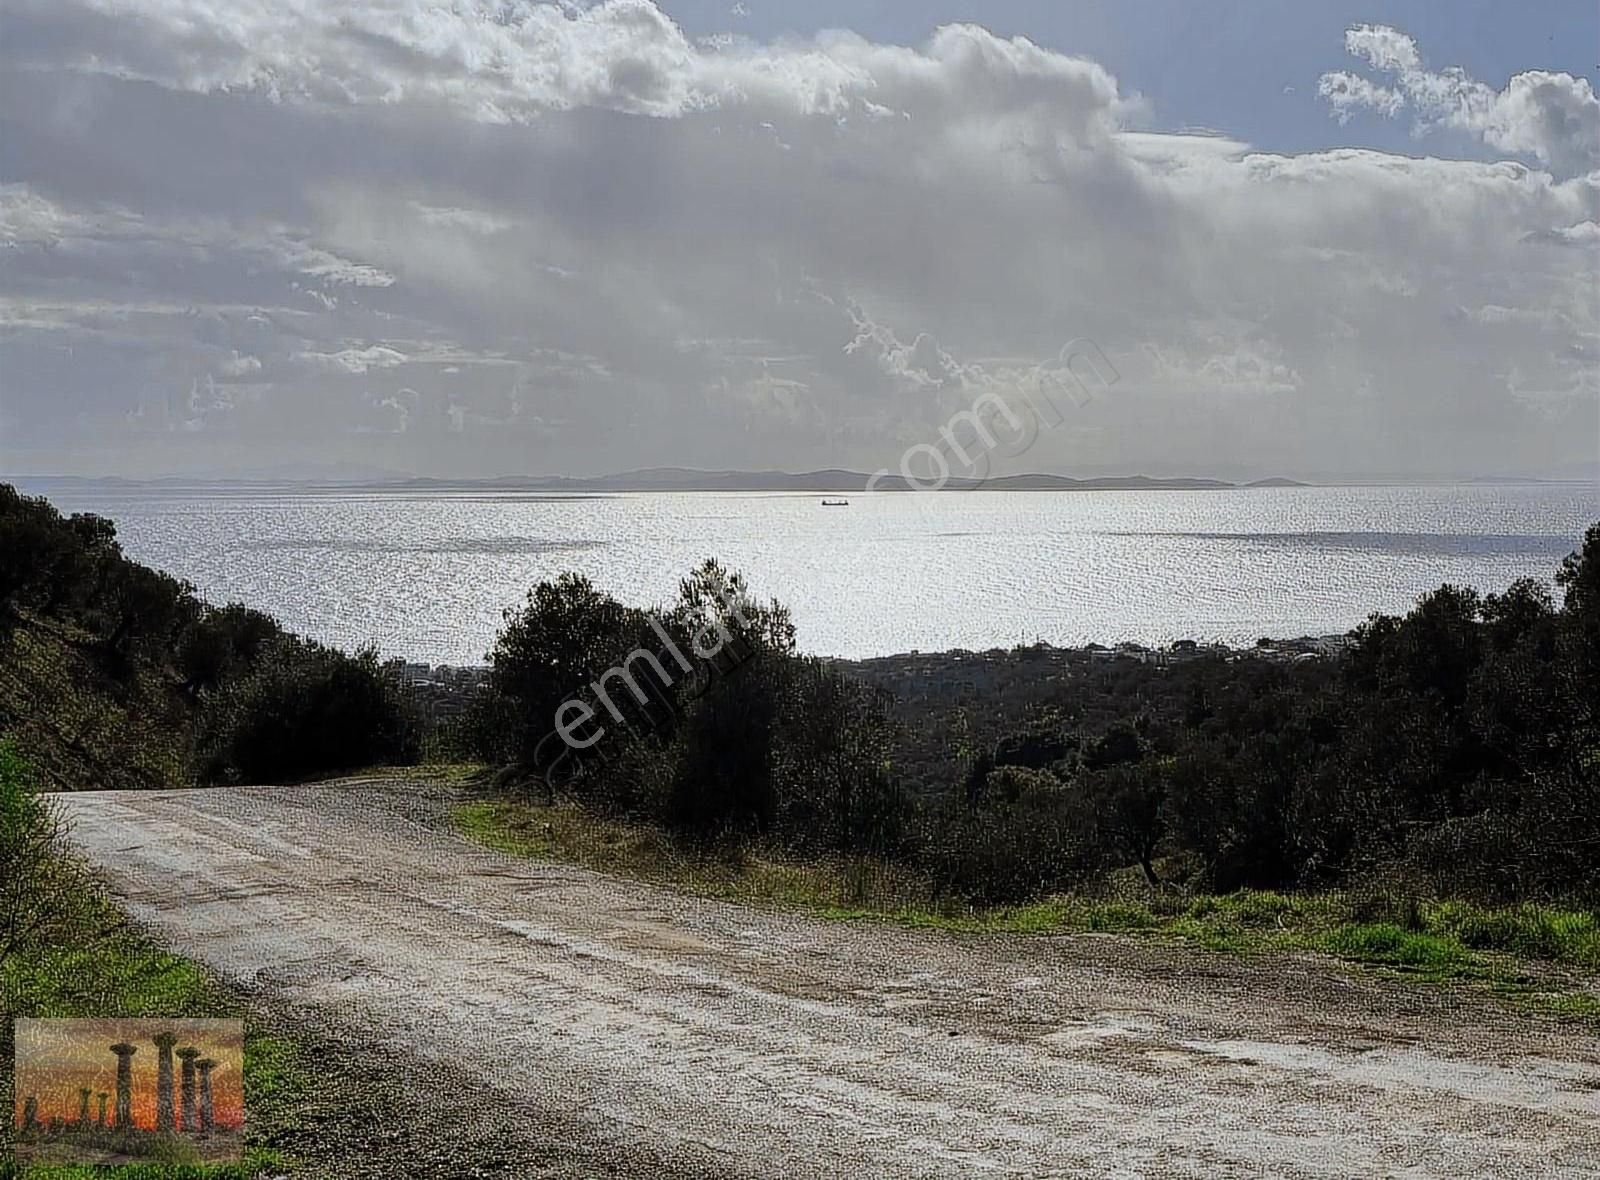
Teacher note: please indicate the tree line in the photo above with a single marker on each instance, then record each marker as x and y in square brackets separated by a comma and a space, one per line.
[1455, 748]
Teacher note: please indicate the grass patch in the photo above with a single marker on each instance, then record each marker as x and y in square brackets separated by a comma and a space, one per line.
[126, 976]
[1428, 941]
[442, 774]
[1386, 943]
[273, 1071]
[836, 886]
[131, 977]
[247, 1170]
[1524, 931]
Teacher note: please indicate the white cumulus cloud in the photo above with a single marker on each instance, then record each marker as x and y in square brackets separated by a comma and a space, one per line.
[1553, 117]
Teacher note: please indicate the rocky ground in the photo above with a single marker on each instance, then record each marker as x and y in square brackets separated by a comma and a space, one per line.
[470, 1014]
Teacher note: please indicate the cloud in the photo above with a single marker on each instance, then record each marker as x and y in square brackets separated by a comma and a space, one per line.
[583, 242]
[353, 360]
[320, 264]
[1553, 117]
[1383, 48]
[511, 63]
[1348, 93]
[473, 221]
[1585, 233]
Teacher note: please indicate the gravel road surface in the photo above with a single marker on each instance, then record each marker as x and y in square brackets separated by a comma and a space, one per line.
[638, 1032]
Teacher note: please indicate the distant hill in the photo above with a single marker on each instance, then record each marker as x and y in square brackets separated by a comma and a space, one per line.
[682, 479]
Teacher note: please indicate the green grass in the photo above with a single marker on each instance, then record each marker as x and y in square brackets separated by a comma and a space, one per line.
[1384, 942]
[125, 976]
[273, 1070]
[442, 774]
[565, 832]
[247, 1170]
[1543, 956]
[1525, 931]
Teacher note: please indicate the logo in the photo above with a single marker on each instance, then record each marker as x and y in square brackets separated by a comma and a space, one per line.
[112, 1091]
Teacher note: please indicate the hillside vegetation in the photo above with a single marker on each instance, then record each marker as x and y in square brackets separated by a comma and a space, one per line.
[114, 675]
[1453, 751]
[84, 727]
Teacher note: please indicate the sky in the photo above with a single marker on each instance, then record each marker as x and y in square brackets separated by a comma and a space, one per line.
[1334, 241]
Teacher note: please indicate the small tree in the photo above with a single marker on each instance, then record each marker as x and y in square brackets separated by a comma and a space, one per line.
[561, 639]
[1579, 578]
[724, 777]
[1132, 802]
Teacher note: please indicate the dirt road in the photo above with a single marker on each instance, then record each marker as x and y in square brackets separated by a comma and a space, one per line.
[732, 1041]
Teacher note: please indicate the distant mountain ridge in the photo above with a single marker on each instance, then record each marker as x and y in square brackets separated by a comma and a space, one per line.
[686, 479]
[683, 479]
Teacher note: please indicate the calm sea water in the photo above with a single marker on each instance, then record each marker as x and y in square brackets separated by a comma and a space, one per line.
[427, 576]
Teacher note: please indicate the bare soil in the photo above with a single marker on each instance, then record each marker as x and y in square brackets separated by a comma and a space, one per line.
[546, 1019]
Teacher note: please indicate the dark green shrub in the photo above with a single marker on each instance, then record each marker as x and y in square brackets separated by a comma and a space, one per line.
[222, 643]
[305, 709]
[1029, 835]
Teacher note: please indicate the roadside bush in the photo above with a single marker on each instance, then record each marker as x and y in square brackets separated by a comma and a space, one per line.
[41, 882]
[724, 731]
[1472, 856]
[833, 770]
[562, 638]
[1029, 835]
[306, 709]
[488, 728]
[723, 780]
[72, 568]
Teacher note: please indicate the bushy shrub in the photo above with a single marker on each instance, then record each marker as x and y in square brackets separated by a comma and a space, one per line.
[561, 639]
[1028, 835]
[833, 765]
[1456, 747]
[222, 643]
[72, 568]
[306, 709]
[748, 739]
[488, 729]
[732, 706]
[266, 705]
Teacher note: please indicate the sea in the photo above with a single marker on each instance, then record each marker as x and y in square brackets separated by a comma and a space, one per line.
[426, 576]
